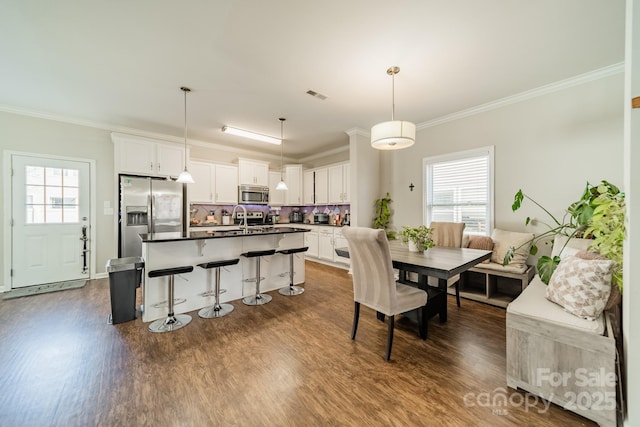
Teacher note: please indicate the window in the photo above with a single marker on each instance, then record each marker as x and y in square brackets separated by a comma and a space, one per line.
[51, 195]
[459, 188]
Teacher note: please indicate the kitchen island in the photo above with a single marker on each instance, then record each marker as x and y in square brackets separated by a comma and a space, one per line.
[166, 250]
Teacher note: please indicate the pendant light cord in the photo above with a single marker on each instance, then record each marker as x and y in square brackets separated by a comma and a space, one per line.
[185, 90]
[281, 148]
[393, 71]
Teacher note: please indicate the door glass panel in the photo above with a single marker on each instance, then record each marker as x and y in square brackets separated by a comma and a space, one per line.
[52, 195]
[71, 178]
[34, 175]
[35, 195]
[53, 176]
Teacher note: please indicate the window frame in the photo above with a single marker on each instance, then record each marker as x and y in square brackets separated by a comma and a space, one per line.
[427, 163]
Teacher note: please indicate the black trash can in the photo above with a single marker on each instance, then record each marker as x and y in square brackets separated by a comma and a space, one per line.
[125, 275]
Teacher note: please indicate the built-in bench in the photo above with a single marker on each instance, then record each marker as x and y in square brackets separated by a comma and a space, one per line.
[561, 357]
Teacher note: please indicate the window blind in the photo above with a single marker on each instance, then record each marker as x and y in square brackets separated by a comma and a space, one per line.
[458, 191]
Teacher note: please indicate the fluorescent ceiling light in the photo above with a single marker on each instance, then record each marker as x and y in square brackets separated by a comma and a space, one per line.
[252, 135]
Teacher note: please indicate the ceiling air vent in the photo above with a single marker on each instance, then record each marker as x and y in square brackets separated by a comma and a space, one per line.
[316, 94]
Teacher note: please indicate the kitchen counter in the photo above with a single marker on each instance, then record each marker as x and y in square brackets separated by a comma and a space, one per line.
[166, 250]
[201, 234]
[211, 226]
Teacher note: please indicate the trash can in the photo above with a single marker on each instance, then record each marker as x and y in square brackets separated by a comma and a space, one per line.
[125, 275]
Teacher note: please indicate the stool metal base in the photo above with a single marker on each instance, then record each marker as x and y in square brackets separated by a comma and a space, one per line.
[214, 311]
[171, 323]
[207, 294]
[290, 291]
[165, 303]
[258, 299]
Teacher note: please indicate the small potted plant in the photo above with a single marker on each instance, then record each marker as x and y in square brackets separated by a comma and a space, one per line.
[418, 238]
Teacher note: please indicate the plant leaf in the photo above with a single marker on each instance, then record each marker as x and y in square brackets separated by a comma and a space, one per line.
[527, 221]
[533, 250]
[508, 255]
[546, 266]
[517, 201]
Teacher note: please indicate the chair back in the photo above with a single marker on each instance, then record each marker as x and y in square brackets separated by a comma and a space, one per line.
[447, 234]
[374, 284]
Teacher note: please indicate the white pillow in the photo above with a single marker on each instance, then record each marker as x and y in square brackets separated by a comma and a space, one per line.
[581, 286]
[503, 240]
[574, 246]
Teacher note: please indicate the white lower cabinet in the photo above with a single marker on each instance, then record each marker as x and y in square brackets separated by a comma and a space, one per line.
[325, 244]
[339, 242]
[311, 240]
[322, 241]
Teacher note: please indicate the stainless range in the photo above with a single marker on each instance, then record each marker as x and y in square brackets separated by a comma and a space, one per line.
[253, 218]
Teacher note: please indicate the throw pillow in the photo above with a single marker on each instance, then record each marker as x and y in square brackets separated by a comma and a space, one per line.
[581, 286]
[574, 246]
[481, 242]
[503, 240]
[614, 297]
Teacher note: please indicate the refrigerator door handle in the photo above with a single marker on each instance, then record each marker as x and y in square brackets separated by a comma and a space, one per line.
[150, 210]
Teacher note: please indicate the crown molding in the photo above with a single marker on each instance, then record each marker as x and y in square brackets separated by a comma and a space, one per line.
[358, 132]
[131, 132]
[526, 95]
[523, 96]
[325, 153]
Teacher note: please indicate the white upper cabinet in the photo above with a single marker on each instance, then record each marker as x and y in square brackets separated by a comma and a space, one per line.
[322, 189]
[144, 157]
[169, 160]
[293, 179]
[226, 177]
[201, 191]
[339, 183]
[214, 183]
[308, 194]
[253, 172]
[276, 197]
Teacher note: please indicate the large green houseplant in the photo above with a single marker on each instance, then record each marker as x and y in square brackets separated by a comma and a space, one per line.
[383, 216]
[598, 215]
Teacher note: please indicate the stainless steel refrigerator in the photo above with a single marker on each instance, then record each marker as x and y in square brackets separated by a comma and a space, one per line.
[148, 205]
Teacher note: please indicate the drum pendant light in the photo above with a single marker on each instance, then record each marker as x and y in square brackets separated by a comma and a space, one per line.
[395, 134]
[281, 185]
[185, 177]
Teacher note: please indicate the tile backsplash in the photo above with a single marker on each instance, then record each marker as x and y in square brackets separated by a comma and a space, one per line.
[201, 212]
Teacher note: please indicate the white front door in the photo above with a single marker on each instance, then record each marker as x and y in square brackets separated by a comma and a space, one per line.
[50, 217]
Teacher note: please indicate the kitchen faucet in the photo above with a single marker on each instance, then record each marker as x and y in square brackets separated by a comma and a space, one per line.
[246, 227]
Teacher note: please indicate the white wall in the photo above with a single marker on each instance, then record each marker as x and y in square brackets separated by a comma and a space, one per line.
[631, 297]
[364, 184]
[548, 146]
[40, 136]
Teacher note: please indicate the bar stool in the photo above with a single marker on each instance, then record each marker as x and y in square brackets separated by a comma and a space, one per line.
[217, 309]
[291, 289]
[173, 321]
[258, 298]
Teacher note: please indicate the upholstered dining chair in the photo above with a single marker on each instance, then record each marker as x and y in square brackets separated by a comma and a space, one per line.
[374, 284]
[449, 235]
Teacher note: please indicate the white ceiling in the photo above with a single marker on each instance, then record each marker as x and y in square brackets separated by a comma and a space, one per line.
[121, 63]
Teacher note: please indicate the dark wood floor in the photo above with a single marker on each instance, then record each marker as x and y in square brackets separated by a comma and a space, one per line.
[288, 363]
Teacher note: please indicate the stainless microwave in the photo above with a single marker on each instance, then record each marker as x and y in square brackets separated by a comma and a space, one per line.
[253, 195]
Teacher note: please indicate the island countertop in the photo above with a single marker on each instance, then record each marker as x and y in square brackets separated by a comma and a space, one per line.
[199, 235]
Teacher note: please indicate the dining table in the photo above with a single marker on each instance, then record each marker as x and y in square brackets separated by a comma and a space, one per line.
[442, 263]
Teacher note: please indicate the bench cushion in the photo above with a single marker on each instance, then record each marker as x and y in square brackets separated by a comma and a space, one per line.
[532, 303]
[518, 269]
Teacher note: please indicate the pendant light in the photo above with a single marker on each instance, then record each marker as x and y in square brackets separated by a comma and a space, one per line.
[395, 134]
[185, 177]
[281, 185]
